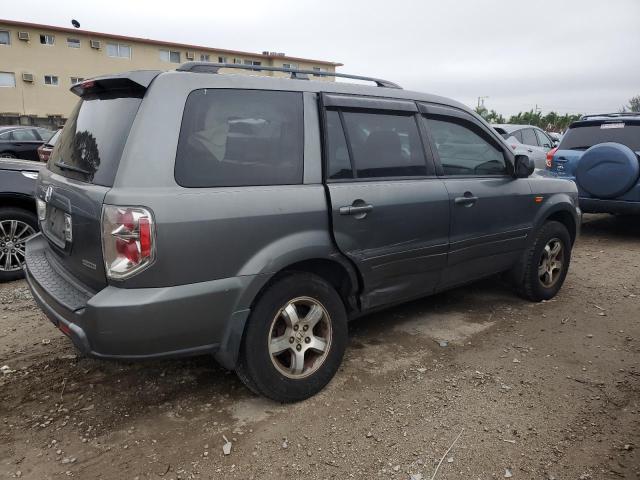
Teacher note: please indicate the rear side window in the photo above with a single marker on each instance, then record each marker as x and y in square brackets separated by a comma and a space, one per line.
[529, 137]
[240, 138]
[91, 143]
[463, 151]
[337, 152]
[581, 137]
[384, 145]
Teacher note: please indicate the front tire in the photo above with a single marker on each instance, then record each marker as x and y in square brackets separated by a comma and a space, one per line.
[546, 263]
[16, 226]
[294, 340]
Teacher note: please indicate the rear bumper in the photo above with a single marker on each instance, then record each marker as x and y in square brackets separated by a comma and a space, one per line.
[592, 205]
[141, 323]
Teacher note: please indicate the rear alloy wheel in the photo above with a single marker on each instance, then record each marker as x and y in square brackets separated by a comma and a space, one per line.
[16, 227]
[294, 340]
[551, 263]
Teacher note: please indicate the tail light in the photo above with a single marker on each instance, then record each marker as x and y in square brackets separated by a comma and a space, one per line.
[550, 155]
[128, 240]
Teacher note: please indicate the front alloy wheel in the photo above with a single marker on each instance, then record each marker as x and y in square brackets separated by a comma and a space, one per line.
[551, 263]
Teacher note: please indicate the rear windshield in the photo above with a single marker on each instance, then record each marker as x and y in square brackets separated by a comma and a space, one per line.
[91, 143]
[581, 137]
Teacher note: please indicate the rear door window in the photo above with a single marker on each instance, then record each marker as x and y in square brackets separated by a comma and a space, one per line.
[240, 138]
[337, 152]
[529, 137]
[583, 136]
[518, 135]
[384, 145]
[91, 143]
[25, 135]
[543, 140]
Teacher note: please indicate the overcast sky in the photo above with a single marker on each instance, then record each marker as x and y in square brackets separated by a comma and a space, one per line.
[575, 56]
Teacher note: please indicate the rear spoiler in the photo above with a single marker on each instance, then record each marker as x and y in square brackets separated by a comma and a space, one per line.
[135, 82]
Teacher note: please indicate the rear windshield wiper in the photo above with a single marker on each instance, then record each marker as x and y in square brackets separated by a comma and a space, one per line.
[66, 166]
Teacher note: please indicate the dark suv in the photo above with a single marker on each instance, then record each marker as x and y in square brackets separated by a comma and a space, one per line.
[251, 217]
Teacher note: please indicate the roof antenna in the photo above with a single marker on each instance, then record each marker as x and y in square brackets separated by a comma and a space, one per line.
[75, 23]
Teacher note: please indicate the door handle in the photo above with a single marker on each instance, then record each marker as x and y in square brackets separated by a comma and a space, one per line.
[358, 209]
[529, 150]
[467, 201]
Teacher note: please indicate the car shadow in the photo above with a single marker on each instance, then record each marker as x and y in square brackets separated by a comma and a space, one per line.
[611, 226]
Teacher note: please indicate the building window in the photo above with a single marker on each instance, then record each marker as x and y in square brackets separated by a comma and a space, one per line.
[318, 69]
[290, 65]
[73, 42]
[47, 39]
[118, 50]
[5, 37]
[51, 80]
[204, 57]
[7, 79]
[252, 62]
[222, 59]
[170, 56]
[237, 61]
[75, 80]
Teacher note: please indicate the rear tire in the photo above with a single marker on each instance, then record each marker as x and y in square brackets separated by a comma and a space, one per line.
[294, 340]
[12, 246]
[544, 269]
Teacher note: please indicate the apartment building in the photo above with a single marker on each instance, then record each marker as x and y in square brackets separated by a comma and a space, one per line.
[39, 63]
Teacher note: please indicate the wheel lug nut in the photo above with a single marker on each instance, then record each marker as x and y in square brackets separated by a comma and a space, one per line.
[291, 339]
[307, 340]
[298, 347]
[296, 327]
[305, 328]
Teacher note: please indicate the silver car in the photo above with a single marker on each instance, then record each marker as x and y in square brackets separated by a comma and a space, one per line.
[527, 140]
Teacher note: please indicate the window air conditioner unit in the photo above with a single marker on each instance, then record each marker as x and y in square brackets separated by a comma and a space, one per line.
[95, 44]
[190, 55]
[24, 36]
[27, 77]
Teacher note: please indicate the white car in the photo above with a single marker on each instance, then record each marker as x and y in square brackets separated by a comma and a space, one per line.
[527, 140]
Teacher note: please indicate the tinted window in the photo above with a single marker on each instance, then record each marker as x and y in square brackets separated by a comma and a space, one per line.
[543, 140]
[529, 137]
[240, 137]
[581, 137]
[336, 149]
[384, 145]
[463, 151]
[5, 136]
[25, 135]
[91, 143]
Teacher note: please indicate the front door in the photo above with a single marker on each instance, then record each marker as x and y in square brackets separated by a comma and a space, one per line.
[491, 210]
[389, 211]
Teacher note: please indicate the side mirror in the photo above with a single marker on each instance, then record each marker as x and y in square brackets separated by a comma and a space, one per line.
[524, 166]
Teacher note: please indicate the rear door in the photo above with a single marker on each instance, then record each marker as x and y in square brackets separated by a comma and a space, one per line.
[80, 171]
[491, 210]
[389, 211]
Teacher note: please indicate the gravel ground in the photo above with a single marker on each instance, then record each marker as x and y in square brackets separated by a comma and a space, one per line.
[531, 391]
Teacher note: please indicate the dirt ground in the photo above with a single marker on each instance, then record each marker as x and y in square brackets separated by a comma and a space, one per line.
[535, 391]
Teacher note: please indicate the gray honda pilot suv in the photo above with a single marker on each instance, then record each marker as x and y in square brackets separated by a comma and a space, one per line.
[250, 217]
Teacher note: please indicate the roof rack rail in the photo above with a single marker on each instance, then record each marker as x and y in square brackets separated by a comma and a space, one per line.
[611, 115]
[209, 67]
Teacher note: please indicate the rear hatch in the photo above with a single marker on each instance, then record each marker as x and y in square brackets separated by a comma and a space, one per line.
[81, 170]
[584, 134]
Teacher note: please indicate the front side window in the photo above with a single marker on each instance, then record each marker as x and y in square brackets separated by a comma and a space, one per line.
[7, 79]
[51, 80]
[5, 37]
[24, 135]
[543, 140]
[240, 138]
[529, 137]
[463, 150]
[170, 56]
[47, 39]
[384, 145]
[118, 50]
[73, 42]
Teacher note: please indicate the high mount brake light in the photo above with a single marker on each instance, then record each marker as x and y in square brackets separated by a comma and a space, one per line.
[128, 240]
[550, 155]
